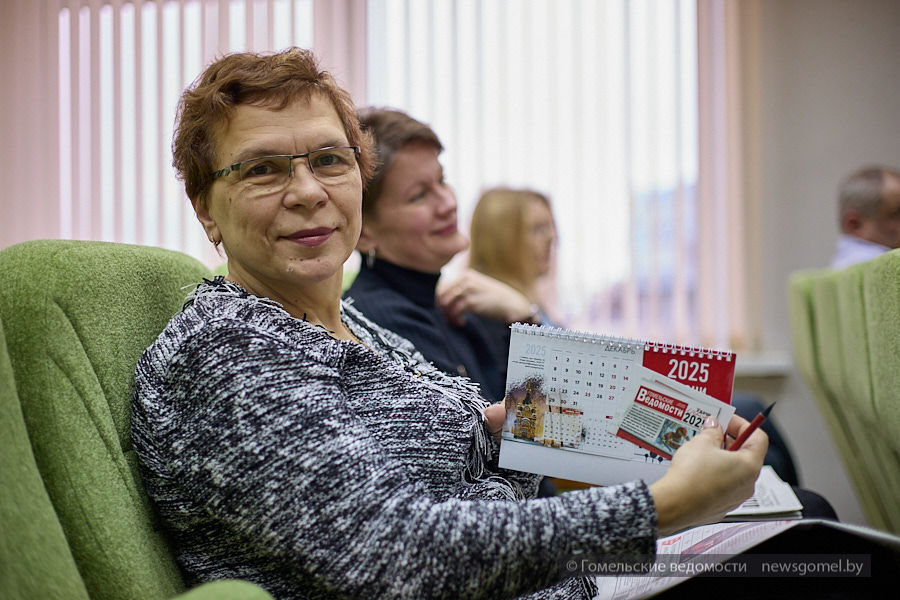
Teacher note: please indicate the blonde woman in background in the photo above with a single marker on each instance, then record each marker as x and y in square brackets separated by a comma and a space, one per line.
[513, 237]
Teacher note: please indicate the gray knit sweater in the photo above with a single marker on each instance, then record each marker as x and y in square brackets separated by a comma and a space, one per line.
[321, 468]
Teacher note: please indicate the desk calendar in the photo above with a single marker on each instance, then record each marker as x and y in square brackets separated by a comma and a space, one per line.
[564, 395]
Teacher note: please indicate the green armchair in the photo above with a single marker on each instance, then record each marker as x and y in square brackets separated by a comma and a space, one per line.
[75, 521]
[845, 326]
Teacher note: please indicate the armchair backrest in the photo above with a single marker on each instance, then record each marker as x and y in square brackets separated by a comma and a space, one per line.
[35, 560]
[881, 289]
[858, 357]
[855, 341]
[845, 326]
[77, 316]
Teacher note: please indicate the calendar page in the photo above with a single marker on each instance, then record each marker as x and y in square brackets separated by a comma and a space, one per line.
[564, 391]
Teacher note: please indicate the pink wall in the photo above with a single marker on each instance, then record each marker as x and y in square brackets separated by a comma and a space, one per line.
[29, 120]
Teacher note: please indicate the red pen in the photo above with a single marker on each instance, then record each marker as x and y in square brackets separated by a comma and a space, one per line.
[754, 425]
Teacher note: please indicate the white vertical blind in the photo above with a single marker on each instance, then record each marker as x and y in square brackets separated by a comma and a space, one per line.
[593, 102]
[596, 104]
[122, 68]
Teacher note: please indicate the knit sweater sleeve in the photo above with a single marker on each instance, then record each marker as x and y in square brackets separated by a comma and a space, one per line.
[284, 476]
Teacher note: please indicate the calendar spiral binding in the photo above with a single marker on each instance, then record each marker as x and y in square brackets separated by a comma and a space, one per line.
[662, 347]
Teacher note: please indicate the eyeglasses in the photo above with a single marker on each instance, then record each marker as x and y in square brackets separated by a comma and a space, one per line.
[269, 174]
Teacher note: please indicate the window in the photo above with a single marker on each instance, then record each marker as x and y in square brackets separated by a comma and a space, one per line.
[608, 107]
[593, 103]
[122, 68]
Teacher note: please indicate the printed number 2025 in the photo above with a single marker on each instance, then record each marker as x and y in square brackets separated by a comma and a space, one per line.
[535, 350]
[688, 370]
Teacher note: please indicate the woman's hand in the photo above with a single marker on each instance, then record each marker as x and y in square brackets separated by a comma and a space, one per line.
[704, 481]
[494, 416]
[477, 293]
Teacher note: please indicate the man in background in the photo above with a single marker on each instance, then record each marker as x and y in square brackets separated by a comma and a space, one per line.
[869, 210]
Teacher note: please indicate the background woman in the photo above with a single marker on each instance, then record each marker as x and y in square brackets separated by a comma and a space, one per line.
[286, 439]
[410, 232]
[513, 237]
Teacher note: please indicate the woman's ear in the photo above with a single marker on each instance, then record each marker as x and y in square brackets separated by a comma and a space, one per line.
[201, 209]
[366, 239]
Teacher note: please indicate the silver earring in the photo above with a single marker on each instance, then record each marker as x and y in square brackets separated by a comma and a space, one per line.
[370, 258]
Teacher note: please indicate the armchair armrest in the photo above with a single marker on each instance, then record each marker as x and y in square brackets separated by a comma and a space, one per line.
[226, 589]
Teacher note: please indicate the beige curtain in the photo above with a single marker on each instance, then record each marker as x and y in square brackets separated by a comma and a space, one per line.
[729, 282]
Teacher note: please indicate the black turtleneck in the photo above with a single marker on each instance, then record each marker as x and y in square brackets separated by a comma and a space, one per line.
[403, 300]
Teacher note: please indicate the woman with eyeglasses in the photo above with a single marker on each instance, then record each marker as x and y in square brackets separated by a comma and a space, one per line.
[285, 439]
